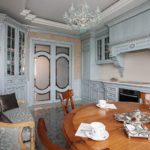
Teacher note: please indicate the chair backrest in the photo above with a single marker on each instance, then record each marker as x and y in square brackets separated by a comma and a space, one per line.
[42, 134]
[65, 98]
[145, 98]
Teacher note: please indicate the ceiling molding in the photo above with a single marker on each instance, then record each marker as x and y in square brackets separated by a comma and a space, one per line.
[33, 18]
[6, 18]
[50, 23]
[109, 11]
[135, 11]
[49, 31]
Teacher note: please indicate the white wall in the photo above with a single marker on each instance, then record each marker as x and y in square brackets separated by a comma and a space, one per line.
[137, 68]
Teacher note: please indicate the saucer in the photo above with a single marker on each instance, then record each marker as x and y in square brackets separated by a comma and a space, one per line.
[98, 137]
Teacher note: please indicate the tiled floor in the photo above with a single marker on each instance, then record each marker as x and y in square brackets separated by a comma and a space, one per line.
[53, 118]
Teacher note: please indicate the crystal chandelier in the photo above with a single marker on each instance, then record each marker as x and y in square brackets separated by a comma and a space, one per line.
[82, 18]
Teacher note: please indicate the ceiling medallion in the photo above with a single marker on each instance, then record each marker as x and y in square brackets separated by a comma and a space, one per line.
[82, 18]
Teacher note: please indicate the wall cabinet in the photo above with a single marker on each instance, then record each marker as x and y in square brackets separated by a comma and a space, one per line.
[102, 50]
[12, 57]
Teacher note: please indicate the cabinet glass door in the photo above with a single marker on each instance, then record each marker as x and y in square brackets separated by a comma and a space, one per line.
[107, 48]
[21, 52]
[10, 50]
[99, 49]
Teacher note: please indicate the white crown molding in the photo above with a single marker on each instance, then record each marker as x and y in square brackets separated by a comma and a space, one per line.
[50, 23]
[2, 17]
[50, 31]
[118, 6]
[6, 19]
[35, 19]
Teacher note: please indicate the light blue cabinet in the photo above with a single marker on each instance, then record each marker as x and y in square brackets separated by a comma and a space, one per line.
[102, 50]
[12, 57]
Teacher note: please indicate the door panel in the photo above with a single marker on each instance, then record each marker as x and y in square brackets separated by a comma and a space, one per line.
[42, 73]
[62, 72]
[62, 69]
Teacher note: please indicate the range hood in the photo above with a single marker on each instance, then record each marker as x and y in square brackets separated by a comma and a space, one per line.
[117, 51]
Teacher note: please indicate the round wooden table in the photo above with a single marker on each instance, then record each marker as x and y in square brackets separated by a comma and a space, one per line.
[118, 139]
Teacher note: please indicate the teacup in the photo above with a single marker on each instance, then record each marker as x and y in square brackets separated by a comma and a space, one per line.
[99, 129]
[102, 103]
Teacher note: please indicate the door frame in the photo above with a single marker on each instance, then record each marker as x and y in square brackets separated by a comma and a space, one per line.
[53, 43]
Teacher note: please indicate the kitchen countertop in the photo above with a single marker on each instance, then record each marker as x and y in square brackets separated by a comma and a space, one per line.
[130, 83]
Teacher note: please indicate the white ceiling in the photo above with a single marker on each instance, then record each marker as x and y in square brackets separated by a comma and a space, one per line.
[54, 9]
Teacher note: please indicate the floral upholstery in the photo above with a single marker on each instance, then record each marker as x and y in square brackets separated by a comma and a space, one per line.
[6, 142]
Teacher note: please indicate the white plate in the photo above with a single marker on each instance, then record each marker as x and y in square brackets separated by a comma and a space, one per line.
[98, 105]
[111, 106]
[98, 137]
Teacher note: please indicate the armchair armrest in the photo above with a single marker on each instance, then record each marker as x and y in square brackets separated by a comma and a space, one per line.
[20, 101]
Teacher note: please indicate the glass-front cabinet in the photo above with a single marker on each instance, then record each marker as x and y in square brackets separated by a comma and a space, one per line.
[15, 51]
[102, 50]
[12, 57]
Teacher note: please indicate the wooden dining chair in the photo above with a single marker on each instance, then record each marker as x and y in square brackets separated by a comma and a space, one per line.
[42, 134]
[65, 98]
[145, 97]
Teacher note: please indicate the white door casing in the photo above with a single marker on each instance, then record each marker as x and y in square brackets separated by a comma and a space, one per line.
[53, 57]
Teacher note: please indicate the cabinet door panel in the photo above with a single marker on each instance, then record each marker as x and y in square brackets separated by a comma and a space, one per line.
[99, 49]
[11, 50]
[102, 50]
[21, 53]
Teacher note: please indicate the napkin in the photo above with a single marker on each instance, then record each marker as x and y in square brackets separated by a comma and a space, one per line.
[83, 128]
[111, 106]
[88, 130]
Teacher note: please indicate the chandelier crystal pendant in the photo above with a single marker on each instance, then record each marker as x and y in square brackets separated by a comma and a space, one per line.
[82, 18]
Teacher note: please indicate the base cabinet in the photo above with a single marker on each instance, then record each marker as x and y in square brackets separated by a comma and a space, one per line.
[111, 93]
[92, 90]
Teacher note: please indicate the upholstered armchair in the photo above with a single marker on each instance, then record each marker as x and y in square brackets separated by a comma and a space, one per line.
[12, 136]
[17, 126]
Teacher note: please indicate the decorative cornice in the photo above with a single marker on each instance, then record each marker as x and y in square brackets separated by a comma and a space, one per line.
[35, 19]
[5, 18]
[2, 17]
[50, 23]
[103, 31]
[117, 51]
[45, 30]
